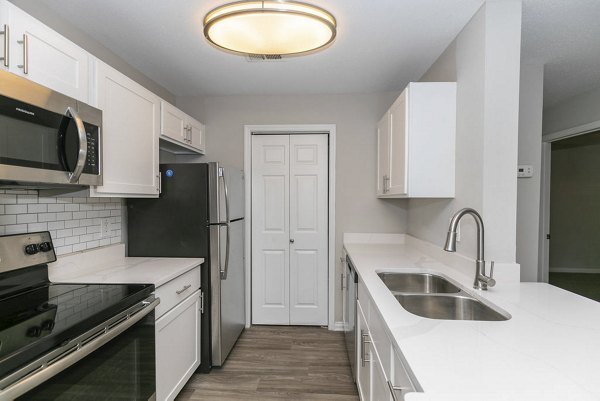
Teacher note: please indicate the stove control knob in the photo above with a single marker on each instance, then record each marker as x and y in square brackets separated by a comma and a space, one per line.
[34, 331]
[31, 249]
[45, 246]
[48, 325]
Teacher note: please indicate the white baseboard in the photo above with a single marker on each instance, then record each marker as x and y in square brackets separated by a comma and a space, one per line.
[338, 326]
[592, 270]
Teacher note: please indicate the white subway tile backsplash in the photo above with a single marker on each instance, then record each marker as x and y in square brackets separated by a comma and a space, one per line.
[7, 199]
[47, 217]
[37, 208]
[57, 207]
[8, 219]
[15, 209]
[32, 228]
[74, 223]
[27, 199]
[27, 218]
[16, 229]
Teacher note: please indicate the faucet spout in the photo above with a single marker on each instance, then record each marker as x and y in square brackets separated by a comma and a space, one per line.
[482, 282]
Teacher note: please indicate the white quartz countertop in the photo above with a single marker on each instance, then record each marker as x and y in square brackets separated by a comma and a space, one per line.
[549, 350]
[111, 266]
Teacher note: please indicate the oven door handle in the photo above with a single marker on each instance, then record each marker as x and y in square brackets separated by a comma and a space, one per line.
[74, 353]
[83, 149]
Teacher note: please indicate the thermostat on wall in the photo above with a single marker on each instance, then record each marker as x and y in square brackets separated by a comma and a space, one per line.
[524, 171]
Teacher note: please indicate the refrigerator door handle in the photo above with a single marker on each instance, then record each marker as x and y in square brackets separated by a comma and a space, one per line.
[226, 224]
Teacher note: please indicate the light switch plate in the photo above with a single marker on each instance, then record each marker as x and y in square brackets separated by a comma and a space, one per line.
[524, 171]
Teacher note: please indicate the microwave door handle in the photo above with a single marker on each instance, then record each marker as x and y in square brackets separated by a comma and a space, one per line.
[226, 224]
[82, 155]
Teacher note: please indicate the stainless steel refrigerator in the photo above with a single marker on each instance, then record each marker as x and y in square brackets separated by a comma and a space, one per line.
[200, 213]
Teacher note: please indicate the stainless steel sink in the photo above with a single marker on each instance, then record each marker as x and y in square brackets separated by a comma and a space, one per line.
[449, 307]
[417, 283]
[434, 297]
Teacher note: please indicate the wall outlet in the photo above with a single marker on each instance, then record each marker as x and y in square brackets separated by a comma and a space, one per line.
[104, 227]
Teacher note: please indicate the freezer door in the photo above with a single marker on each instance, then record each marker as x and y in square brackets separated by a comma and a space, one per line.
[226, 184]
[229, 315]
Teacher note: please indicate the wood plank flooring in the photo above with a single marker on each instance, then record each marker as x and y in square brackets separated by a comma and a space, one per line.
[279, 363]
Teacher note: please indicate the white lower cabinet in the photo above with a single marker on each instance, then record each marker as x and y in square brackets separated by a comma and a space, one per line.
[177, 347]
[177, 333]
[381, 374]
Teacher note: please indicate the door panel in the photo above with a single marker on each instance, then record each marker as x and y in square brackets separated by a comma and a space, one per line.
[270, 229]
[398, 154]
[172, 122]
[290, 229]
[308, 229]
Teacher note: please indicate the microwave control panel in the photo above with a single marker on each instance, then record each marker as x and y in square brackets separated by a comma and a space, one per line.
[92, 164]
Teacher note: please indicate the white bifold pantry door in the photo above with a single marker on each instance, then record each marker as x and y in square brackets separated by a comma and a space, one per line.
[289, 229]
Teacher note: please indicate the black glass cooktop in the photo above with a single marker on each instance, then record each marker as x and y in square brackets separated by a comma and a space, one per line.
[36, 317]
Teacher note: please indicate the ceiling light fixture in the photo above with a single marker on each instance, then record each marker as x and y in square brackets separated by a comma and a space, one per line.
[269, 27]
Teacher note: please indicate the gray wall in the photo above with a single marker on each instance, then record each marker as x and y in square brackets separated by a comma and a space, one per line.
[484, 60]
[530, 152]
[83, 40]
[573, 112]
[574, 212]
[355, 116]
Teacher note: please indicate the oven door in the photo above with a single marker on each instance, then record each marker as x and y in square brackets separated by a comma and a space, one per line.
[40, 146]
[116, 362]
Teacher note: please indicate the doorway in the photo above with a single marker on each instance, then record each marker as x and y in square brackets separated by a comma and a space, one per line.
[574, 214]
[290, 228]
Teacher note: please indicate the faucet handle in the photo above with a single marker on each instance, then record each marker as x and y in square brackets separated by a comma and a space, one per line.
[492, 269]
[489, 280]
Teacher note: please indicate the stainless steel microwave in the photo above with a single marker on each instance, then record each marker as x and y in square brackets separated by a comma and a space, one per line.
[47, 138]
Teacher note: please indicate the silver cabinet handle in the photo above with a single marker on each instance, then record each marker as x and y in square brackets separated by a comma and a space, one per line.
[25, 43]
[5, 57]
[363, 342]
[393, 390]
[184, 289]
[83, 148]
[386, 183]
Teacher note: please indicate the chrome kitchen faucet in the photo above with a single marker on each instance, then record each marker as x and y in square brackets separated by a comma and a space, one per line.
[482, 282]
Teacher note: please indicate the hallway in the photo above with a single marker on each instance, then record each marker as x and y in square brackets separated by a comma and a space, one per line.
[279, 363]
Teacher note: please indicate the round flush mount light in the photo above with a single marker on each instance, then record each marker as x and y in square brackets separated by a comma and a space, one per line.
[269, 28]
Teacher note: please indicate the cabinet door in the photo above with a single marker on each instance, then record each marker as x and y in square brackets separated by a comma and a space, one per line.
[363, 348]
[172, 122]
[198, 134]
[398, 143]
[4, 36]
[383, 154]
[130, 126]
[43, 56]
[177, 347]
[379, 386]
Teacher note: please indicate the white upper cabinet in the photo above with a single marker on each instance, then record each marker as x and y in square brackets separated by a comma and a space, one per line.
[40, 54]
[180, 133]
[130, 129]
[416, 143]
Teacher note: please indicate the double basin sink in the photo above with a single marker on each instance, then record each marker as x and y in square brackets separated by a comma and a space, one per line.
[434, 297]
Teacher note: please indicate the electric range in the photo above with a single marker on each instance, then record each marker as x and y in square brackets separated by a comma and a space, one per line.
[50, 332]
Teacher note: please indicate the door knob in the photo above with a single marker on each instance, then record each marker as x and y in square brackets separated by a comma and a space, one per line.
[291, 240]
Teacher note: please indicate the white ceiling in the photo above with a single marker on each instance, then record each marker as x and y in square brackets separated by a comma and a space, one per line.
[565, 36]
[381, 45]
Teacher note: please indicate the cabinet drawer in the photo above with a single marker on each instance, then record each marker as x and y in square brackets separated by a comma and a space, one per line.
[176, 290]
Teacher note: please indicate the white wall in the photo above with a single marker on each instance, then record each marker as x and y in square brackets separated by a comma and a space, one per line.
[484, 60]
[355, 116]
[573, 112]
[530, 152]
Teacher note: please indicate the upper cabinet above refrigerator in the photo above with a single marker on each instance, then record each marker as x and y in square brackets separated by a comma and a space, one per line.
[180, 133]
[416, 143]
[34, 51]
